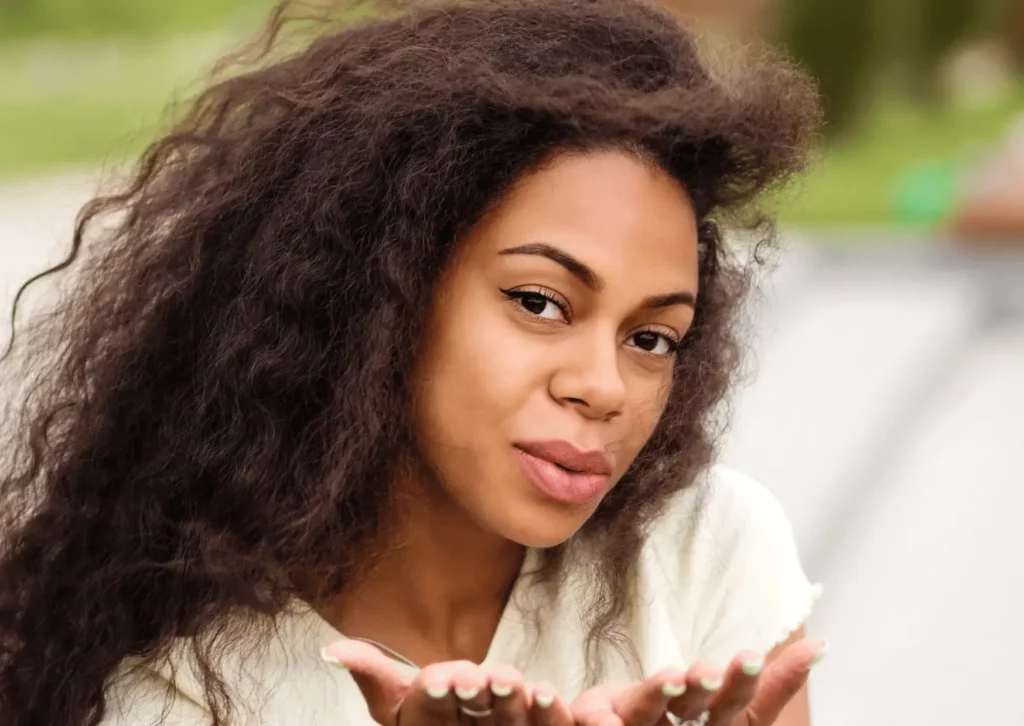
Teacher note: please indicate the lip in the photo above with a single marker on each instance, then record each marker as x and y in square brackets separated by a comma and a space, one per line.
[564, 472]
[568, 456]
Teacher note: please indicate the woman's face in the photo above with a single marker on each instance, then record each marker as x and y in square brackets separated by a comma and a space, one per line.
[549, 355]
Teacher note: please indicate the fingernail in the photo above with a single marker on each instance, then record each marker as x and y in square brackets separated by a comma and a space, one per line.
[501, 691]
[753, 666]
[819, 656]
[544, 700]
[467, 694]
[437, 692]
[332, 660]
[673, 690]
[711, 684]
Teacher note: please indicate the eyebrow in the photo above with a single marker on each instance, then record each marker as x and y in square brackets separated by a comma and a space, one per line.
[578, 269]
[590, 278]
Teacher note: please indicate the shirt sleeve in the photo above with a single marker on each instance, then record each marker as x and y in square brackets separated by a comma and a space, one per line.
[762, 595]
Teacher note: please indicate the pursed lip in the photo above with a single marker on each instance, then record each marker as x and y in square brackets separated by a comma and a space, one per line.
[568, 456]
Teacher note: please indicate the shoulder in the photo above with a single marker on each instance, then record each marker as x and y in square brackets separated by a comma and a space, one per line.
[140, 695]
[741, 511]
[726, 549]
[273, 675]
[724, 512]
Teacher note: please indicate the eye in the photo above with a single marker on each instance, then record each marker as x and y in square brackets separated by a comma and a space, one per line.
[654, 343]
[542, 305]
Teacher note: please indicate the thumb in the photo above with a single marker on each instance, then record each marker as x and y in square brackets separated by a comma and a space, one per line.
[783, 679]
[375, 674]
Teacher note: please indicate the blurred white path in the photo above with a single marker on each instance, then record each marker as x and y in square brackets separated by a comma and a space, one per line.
[888, 417]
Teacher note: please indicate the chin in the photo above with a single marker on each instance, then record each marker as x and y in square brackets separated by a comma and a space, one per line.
[544, 529]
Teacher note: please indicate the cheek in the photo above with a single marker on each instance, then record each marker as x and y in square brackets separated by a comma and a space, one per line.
[645, 412]
[476, 375]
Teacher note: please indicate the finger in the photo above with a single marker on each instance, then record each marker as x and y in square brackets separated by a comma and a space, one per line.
[430, 700]
[380, 682]
[548, 709]
[600, 718]
[783, 678]
[472, 689]
[702, 681]
[511, 700]
[738, 689]
[645, 703]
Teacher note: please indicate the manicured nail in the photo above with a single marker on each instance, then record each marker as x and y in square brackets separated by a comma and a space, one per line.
[753, 666]
[673, 690]
[819, 656]
[544, 700]
[328, 658]
[437, 692]
[501, 691]
[467, 694]
[711, 684]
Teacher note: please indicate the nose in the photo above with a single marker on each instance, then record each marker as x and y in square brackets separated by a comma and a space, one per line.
[590, 379]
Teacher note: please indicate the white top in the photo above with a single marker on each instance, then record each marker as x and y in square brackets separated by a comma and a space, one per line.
[719, 573]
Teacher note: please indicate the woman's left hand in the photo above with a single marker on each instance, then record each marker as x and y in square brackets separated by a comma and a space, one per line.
[748, 693]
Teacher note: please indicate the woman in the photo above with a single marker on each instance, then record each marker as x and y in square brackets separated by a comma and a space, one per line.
[416, 335]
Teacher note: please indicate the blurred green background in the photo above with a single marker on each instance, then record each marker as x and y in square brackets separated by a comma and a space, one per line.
[916, 91]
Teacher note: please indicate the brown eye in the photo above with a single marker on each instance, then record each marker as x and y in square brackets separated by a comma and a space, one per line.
[535, 303]
[654, 343]
[543, 306]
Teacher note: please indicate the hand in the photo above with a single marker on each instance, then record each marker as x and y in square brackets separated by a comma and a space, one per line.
[748, 693]
[435, 695]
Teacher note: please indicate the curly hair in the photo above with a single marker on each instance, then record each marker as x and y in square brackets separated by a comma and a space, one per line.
[227, 385]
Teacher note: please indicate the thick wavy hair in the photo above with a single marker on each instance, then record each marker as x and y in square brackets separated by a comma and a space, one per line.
[209, 419]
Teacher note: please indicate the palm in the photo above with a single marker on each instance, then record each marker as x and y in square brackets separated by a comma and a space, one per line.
[739, 697]
[743, 695]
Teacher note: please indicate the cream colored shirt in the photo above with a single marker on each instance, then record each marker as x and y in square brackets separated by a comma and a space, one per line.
[719, 573]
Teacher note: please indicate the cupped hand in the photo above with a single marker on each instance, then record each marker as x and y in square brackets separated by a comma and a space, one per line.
[748, 693]
[447, 694]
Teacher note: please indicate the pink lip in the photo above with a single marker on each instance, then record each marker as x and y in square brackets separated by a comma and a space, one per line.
[564, 472]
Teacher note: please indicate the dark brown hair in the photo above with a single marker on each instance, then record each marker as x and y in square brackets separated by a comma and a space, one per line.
[228, 386]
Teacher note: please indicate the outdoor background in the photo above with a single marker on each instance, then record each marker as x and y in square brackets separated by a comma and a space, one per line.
[887, 413]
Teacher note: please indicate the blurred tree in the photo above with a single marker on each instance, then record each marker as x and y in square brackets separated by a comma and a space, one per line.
[943, 26]
[1014, 31]
[741, 19]
[835, 41]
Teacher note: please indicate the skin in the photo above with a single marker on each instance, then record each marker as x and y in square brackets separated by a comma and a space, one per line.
[495, 372]
[557, 319]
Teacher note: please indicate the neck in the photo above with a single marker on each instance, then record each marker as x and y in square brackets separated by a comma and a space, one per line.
[439, 587]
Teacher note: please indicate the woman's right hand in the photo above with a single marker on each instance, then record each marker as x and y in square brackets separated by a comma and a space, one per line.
[437, 694]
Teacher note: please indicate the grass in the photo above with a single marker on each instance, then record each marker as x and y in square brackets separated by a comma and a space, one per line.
[95, 101]
[899, 155]
[78, 19]
[87, 102]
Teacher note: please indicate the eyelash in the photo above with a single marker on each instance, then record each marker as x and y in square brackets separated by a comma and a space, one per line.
[520, 294]
[673, 344]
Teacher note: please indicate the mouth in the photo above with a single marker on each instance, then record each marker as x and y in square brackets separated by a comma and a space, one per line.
[564, 472]
[566, 456]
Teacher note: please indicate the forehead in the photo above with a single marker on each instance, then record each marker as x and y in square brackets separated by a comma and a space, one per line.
[614, 211]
